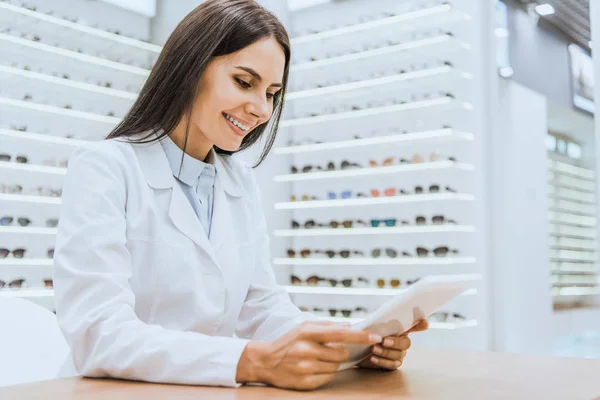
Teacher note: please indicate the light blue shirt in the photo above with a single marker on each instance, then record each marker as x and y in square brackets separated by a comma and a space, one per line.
[196, 179]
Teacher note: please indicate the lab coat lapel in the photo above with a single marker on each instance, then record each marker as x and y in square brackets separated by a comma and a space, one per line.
[185, 219]
[159, 176]
[224, 212]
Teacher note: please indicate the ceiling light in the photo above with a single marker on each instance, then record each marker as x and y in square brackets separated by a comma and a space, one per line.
[544, 9]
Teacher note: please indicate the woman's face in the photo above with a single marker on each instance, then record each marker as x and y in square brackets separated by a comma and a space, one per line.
[235, 95]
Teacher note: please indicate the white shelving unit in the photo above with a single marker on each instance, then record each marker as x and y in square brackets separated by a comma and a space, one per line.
[573, 231]
[363, 89]
[62, 83]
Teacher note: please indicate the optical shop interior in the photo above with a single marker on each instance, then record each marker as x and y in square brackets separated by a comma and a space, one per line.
[418, 138]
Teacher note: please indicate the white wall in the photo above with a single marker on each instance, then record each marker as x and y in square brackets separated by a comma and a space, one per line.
[518, 200]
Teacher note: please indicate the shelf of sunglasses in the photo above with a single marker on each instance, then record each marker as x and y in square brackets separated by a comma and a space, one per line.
[25, 198]
[75, 92]
[441, 45]
[38, 169]
[27, 292]
[26, 262]
[371, 201]
[343, 291]
[371, 171]
[409, 138]
[415, 80]
[24, 105]
[374, 231]
[574, 280]
[17, 48]
[26, 230]
[407, 20]
[588, 182]
[569, 207]
[584, 227]
[438, 104]
[575, 267]
[53, 120]
[555, 245]
[559, 167]
[41, 137]
[589, 201]
[587, 188]
[432, 325]
[560, 259]
[572, 232]
[15, 16]
[376, 261]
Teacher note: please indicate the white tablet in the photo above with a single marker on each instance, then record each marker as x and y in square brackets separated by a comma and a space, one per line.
[419, 301]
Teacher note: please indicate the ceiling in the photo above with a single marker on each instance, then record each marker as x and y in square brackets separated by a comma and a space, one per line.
[572, 17]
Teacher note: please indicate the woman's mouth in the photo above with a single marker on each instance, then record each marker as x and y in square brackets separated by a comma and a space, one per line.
[237, 127]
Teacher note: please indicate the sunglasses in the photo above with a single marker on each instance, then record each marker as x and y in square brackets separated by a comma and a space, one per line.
[387, 162]
[435, 220]
[8, 157]
[304, 197]
[386, 192]
[304, 253]
[433, 189]
[12, 189]
[441, 251]
[387, 222]
[442, 316]
[376, 253]
[342, 253]
[22, 221]
[16, 284]
[346, 313]
[17, 253]
[52, 223]
[394, 283]
[346, 194]
[314, 280]
[347, 223]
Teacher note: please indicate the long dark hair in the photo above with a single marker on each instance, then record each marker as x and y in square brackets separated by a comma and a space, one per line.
[214, 28]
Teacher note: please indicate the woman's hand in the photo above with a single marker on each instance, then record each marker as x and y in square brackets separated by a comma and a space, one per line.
[301, 359]
[391, 352]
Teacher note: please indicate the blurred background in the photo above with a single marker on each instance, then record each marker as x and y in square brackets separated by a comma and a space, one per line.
[419, 137]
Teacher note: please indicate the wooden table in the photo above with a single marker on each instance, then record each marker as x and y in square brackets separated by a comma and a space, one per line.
[427, 374]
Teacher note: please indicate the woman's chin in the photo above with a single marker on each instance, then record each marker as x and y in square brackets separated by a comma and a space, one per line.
[229, 146]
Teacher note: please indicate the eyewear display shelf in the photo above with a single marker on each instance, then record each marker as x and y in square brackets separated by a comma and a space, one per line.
[380, 130]
[572, 232]
[69, 72]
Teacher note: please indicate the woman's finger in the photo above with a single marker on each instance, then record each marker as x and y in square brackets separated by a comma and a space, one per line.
[385, 363]
[332, 353]
[397, 342]
[390, 354]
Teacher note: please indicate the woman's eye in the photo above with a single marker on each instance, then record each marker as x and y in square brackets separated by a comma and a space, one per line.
[243, 84]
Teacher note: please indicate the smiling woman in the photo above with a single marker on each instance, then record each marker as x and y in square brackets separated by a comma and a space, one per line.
[220, 78]
[161, 263]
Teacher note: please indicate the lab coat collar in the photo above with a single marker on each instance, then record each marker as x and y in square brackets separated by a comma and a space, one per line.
[156, 168]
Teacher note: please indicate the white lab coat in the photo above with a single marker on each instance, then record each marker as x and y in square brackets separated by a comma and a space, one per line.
[141, 293]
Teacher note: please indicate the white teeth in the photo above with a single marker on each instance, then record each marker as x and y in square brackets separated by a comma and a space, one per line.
[237, 123]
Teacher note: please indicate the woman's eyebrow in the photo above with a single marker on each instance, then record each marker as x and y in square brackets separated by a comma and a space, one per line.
[256, 75]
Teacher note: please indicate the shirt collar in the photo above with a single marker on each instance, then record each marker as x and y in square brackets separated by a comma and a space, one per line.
[191, 169]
